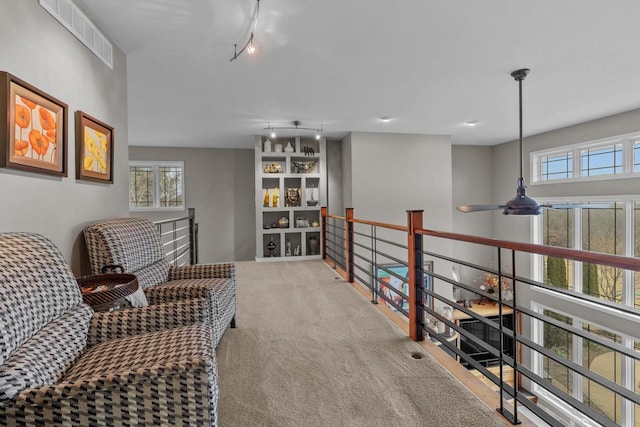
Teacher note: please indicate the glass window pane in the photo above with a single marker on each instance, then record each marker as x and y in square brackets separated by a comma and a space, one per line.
[558, 230]
[602, 161]
[602, 231]
[170, 178]
[607, 363]
[557, 166]
[560, 342]
[141, 186]
[636, 156]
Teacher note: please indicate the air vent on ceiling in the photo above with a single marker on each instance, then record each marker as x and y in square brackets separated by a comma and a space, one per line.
[74, 20]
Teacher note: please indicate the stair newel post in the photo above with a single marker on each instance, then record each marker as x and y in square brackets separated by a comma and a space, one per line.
[348, 219]
[323, 232]
[416, 276]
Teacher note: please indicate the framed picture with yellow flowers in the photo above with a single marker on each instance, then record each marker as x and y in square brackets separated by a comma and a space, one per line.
[94, 149]
[33, 128]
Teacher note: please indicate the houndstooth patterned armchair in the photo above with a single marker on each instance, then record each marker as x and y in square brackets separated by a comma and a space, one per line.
[49, 375]
[134, 243]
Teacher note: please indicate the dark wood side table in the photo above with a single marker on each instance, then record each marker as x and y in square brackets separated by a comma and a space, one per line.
[106, 292]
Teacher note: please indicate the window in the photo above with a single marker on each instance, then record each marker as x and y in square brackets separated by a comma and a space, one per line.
[601, 230]
[595, 357]
[558, 166]
[156, 185]
[604, 159]
[601, 161]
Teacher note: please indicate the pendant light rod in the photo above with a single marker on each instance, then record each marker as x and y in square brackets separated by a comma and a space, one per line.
[520, 75]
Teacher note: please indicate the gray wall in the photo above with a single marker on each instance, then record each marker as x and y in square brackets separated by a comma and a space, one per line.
[472, 184]
[219, 184]
[37, 49]
[393, 173]
[335, 202]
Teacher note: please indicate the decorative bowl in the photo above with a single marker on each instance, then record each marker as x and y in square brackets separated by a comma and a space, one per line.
[304, 166]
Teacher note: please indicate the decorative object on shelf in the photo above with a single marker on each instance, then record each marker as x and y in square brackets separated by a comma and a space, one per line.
[275, 198]
[277, 148]
[313, 245]
[266, 198]
[315, 224]
[288, 246]
[312, 197]
[296, 251]
[447, 313]
[302, 222]
[273, 168]
[489, 283]
[267, 146]
[292, 197]
[283, 222]
[94, 149]
[295, 125]
[271, 246]
[34, 137]
[288, 148]
[304, 166]
[308, 151]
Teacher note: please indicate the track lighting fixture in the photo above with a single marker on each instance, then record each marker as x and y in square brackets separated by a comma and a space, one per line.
[295, 125]
[248, 46]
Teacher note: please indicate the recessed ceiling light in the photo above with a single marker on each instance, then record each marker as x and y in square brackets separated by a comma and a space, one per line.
[472, 123]
[386, 119]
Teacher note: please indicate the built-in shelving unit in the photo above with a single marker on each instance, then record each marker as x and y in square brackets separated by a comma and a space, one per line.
[290, 190]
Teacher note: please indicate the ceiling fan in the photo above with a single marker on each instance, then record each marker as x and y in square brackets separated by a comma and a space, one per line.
[522, 204]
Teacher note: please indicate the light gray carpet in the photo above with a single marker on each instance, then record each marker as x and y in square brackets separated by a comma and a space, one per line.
[310, 351]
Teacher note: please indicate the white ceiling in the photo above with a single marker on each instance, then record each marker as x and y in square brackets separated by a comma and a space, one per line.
[430, 64]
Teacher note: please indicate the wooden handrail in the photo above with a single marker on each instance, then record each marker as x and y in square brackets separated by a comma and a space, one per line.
[341, 218]
[616, 261]
[382, 225]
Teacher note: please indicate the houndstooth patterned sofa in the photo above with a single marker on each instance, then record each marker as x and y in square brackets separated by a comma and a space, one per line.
[134, 243]
[138, 372]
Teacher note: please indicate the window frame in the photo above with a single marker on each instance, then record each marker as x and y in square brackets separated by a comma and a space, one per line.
[155, 166]
[627, 141]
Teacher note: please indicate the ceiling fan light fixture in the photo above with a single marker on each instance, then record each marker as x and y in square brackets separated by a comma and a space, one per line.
[522, 204]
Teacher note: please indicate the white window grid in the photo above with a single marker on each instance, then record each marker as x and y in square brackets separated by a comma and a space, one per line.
[156, 166]
[546, 164]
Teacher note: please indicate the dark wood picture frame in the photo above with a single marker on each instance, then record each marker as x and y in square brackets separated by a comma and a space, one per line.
[94, 148]
[33, 129]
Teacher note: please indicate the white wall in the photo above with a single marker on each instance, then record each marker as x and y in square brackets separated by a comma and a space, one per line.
[37, 49]
[219, 184]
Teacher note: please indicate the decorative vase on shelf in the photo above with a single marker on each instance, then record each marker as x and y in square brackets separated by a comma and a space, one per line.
[266, 198]
[267, 146]
[288, 251]
[271, 247]
[288, 148]
[275, 198]
[313, 245]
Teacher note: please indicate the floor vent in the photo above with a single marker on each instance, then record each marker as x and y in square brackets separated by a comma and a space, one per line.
[74, 20]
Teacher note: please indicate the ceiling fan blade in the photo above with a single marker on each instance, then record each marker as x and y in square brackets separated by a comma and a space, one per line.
[478, 208]
[579, 205]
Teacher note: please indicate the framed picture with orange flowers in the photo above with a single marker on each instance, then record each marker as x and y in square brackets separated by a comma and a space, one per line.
[94, 148]
[33, 130]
